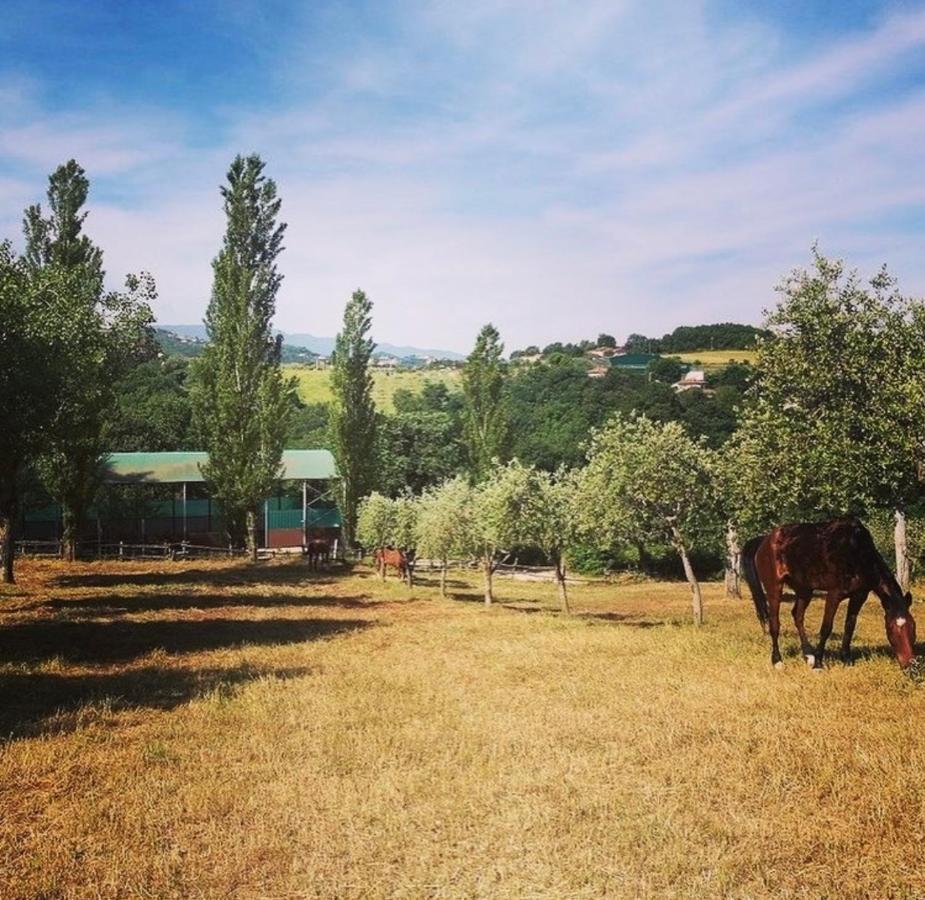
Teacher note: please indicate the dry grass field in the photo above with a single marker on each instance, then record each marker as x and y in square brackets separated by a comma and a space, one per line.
[314, 385]
[715, 359]
[200, 730]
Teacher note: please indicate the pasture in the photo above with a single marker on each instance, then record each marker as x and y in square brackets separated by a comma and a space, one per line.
[716, 359]
[202, 730]
[314, 385]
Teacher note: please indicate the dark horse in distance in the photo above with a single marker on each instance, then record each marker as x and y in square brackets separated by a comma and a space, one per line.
[839, 558]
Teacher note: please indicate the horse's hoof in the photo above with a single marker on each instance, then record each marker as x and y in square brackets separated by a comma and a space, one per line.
[811, 660]
[819, 667]
[779, 664]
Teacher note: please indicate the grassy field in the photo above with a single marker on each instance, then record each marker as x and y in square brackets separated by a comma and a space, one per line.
[205, 730]
[712, 359]
[315, 384]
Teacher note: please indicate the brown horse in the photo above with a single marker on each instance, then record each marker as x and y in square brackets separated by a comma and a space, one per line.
[318, 551]
[839, 558]
[386, 556]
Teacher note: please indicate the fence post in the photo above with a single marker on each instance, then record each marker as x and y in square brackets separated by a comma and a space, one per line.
[121, 549]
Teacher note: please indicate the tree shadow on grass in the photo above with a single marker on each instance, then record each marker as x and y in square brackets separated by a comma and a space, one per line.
[631, 619]
[234, 574]
[44, 702]
[122, 604]
[123, 641]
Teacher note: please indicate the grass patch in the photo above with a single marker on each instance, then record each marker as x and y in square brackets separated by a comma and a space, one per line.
[201, 729]
[314, 385]
[714, 359]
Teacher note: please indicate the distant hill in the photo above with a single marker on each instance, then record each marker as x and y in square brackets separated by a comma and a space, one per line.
[721, 336]
[321, 345]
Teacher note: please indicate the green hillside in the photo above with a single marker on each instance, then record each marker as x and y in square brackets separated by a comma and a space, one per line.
[315, 384]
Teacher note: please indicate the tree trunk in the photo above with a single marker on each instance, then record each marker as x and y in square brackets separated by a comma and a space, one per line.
[488, 566]
[443, 579]
[8, 510]
[6, 549]
[696, 596]
[733, 562]
[560, 581]
[409, 570]
[69, 524]
[903, 574]
[643, 557]
[250, 519]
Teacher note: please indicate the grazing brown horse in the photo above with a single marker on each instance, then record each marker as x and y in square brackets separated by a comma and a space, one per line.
[318, 551]
[839, 558]
[386, 556]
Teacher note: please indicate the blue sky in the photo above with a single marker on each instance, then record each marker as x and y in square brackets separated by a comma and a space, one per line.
[558, 168]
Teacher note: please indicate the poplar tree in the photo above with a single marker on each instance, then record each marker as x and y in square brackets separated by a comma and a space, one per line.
[353, 414]
[484, 417]
[241, 402]
[96, 336]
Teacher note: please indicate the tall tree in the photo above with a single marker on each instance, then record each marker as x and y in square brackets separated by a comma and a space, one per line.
[106, 333]
[33, 329]
[353, 413]
[241, 401]
[837, 412]
[484, 414]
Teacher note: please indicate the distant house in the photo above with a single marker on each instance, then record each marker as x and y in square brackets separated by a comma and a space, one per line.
[695, 379]
[602, 352]
[532, 358]
[598, 371]
[386, 362]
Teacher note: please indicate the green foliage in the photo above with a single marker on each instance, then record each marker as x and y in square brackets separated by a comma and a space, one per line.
[309, 427]
[445, 521]
[100, 337]
[723, 336]
[416, 450]
[484, 416]
[836, 419]
[241, 402]
[666, 369]
[375, 521]
[648, 481]
[352, 414]
[152, 409]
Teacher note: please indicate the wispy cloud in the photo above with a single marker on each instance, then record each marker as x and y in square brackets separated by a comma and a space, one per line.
[558, 170]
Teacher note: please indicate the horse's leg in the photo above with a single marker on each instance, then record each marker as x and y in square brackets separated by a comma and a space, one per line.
[832, 599]
[799, 611]
[774, 591]
[855, 603]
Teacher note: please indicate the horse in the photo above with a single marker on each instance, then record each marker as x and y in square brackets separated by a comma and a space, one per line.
[318, 551]
[839, 558]
[387, 556]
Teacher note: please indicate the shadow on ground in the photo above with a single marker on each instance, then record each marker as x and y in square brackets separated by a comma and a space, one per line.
[123, 641]
[233, 575]
[122, 604]
[49, 702]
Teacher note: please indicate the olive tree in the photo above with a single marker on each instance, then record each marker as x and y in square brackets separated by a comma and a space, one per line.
[500, 511]
[835, 421]
[552, 523]
[444, 524]
[650, 480]
[375, 522]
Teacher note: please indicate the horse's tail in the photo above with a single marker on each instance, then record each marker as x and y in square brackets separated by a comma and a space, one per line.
[750, 571]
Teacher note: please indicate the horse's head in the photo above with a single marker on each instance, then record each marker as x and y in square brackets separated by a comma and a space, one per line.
[900, 631]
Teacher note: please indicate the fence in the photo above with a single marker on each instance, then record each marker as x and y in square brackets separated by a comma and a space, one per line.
[123, 550]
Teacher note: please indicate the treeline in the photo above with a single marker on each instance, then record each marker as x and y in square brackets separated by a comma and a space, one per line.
[687, 338]
[833, 424]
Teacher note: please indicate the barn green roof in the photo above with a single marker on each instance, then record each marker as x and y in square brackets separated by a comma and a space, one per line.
[183, 466]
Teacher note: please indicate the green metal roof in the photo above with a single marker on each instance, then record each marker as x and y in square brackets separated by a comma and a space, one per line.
[183, 466]
[632, 360]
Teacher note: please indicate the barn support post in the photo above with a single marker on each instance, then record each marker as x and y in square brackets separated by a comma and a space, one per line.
[184, 510]
[304, 513]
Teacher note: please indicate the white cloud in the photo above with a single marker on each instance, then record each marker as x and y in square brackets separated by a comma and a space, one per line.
[559, 171]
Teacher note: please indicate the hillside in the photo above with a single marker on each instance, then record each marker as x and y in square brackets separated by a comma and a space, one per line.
[315, 384]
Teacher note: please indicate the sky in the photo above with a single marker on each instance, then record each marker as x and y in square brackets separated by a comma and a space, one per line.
[557, 168]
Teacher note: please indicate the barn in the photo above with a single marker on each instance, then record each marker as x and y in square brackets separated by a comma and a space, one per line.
[163, 498]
